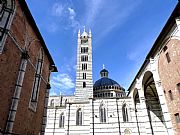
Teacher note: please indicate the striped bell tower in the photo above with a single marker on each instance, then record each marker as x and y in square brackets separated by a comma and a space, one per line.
[84, 82]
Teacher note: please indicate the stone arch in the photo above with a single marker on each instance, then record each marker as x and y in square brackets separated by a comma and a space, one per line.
[136, 97]
[152, 102]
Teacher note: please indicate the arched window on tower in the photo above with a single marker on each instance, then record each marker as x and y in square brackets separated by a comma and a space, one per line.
[79, 117]
[102, 113]
[61, 120]
[125, 113]
[6, 13]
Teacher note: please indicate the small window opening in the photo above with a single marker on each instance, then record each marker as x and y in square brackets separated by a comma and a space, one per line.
[168, 57]
[178, 87]
[165, 48]
[177, 117]
[84, 84]
[170, 95]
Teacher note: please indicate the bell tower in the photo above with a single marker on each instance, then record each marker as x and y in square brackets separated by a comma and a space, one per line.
[84, 82]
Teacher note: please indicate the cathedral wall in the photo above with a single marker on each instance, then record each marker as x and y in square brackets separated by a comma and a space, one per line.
[114, 123]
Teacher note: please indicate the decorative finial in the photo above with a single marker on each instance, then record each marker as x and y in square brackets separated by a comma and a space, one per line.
[103, 66]
[84, 28]
[89, 30]
[79, 31]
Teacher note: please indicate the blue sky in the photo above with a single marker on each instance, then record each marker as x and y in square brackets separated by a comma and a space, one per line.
[123, 31]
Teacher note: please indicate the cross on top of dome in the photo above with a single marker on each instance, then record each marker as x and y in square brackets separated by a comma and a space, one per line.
[104, 72]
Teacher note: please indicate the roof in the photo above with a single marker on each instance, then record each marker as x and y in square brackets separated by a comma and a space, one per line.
[103, 70]
[105, 82]
[168, 26]
[32, 22]
[84, 34]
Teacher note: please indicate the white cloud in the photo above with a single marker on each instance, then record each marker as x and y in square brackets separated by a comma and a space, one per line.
[93, 8]
[57, 9]
[71, 13]
[62, 81]
[53, 27]
[73, 22]
[108, 15]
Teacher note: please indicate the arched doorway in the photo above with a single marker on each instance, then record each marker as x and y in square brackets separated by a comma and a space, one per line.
[154, 110]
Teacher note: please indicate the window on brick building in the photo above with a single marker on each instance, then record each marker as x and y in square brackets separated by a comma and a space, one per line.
[61, 120]
[79, 117]
[177, 117]
[6, 13]
[165, 48]
[168, 57]
[170, 95]
[37, 78]
[178, 87]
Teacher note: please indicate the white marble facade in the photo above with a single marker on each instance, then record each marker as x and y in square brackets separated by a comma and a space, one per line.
[143, 111]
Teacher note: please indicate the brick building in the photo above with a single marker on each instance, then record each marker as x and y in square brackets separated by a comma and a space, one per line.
[25, 68]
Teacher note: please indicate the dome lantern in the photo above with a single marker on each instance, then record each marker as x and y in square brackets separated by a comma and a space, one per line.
[104, 72]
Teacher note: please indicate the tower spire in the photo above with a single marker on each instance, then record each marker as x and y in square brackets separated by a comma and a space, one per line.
[84, 28]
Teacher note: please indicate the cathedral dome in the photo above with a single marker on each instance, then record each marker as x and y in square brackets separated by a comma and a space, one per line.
[105, 81]
[107, 85]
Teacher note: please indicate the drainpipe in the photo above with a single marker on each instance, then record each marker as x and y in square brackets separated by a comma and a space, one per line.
[93, 114]
[68, 119]
[54, 120]
[44, 120]
[118, 117]
[137, 120]
[17, 93]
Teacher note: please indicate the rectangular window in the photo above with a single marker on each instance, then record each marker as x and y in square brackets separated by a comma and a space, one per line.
[84, 49]
[84, 84]
[84, 75]
[84, 58]
[84, 66]
[178, 87]
[170, 95]
[177, 117]
[168, 57]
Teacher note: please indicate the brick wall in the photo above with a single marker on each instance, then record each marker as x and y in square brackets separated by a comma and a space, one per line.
[27, 121]
[170, 77]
